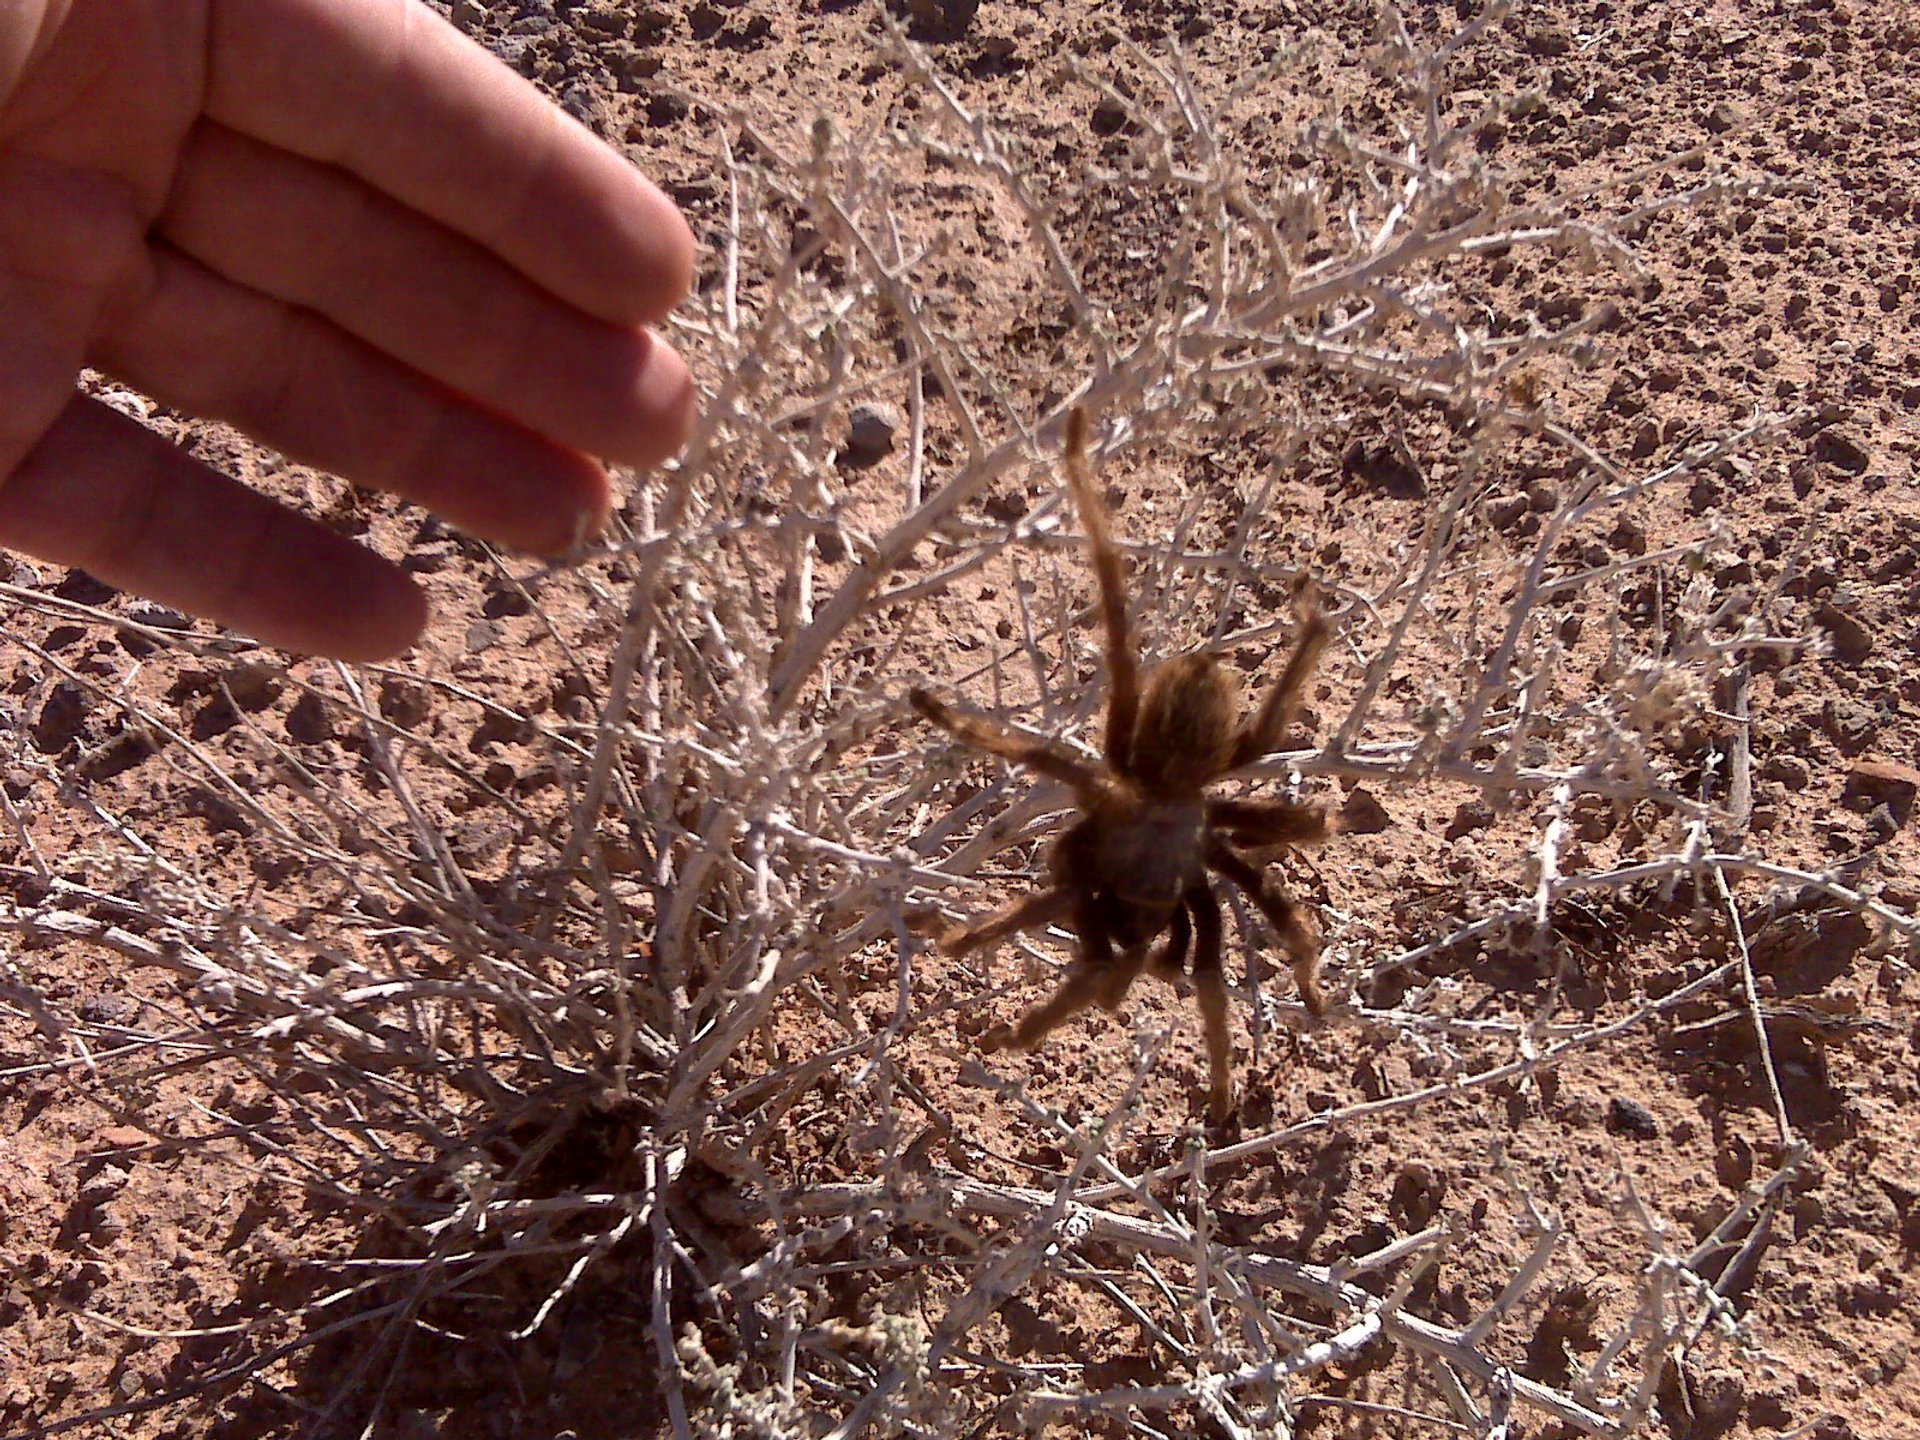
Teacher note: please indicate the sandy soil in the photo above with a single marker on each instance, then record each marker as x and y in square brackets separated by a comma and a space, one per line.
[143, 1182]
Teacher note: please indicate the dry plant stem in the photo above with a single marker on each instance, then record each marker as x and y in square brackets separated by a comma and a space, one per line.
[1088, 1224]
[1436, 546]
[1740, 760]
[1494, 680]
[1750, 991]
[1055, 1223]
[1230, 1155]
[1663, 869]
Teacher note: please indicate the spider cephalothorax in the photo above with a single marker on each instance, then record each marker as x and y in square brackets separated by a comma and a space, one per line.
[1135, 866]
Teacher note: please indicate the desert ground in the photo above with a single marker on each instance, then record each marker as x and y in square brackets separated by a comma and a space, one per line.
[547, 1035]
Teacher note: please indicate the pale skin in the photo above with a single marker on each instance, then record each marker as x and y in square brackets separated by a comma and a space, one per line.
[346, 230]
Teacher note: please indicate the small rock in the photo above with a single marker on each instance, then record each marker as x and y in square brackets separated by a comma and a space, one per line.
[112, 1008]
[1841, 451]
[1506, 510]
[630, 65]
[946, 19]
[651, 21]
[1887, 781]
[1704, 494]
[79, 585]
[605, 18]
[870, 432]
[1718, 1397]
[1470, 816]
[666, 108]
[308, 722]
[1548, 40]
[1895, 1357]
[1363, 814]
[158, 617]
[1851, 724]
[1629, 536]
[1852, 641]
[1631, 1118]
[1417, 1193]
[61, 720]
[405, 704]
[1109, 117]
[1724, 117]
[483, 634]
[1790, 770]
[1593, 818]
[254, 685]
[101, 1186]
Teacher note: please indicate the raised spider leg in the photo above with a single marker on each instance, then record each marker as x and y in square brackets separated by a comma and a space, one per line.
[1284, 916]
[1041, 756]
[1269, 822]
[1023, 914]
[1085, 982]
[1123, 666]
[1210, 987]
[1264, 732]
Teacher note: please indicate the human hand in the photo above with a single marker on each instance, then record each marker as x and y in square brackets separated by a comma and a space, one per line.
[348, 231]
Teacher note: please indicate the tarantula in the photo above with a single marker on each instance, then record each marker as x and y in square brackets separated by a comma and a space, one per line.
[1133, 868]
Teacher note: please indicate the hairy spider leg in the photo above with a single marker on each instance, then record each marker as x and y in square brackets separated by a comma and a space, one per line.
[1086, 981]
[1123, 666]
[1044, 757]
[1210, 989]
[1169, 959]
[1269, 822]
[1284, 916]
[1166, 958]
[1024, 914]
[1263, 734]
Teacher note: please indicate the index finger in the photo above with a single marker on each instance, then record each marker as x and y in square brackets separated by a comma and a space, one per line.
[391, 92]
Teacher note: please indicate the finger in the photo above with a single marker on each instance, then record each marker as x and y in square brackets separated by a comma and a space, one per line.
[104, 493]
[207, 347]
[64, 237]
[389, 91]
[319, 238]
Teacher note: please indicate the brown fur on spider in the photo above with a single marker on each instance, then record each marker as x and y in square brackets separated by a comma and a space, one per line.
[1135, 867]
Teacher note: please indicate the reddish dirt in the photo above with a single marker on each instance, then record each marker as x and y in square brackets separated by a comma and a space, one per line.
[116, 1239]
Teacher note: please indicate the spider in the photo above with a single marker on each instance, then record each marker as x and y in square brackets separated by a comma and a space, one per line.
[1133, 868]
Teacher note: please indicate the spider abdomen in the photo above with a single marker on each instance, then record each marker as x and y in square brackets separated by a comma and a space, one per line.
[1154, 856]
